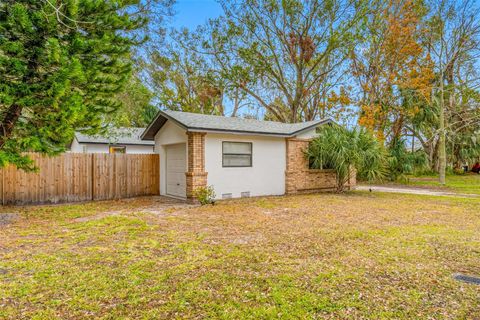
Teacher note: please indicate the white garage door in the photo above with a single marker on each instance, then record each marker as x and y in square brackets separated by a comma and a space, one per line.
[176, 167]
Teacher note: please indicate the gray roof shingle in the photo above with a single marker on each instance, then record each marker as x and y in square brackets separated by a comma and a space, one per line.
[128, 136]
[203, 122]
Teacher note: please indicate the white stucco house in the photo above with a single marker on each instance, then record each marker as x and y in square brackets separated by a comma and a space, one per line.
[119, 140]
[237, 157]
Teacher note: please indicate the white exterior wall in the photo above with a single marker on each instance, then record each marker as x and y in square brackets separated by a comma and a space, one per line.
[265, 177]
[139, 149]
[75, 146]
[170, 133]
[310, 134]
[94, 148]
[104, 148]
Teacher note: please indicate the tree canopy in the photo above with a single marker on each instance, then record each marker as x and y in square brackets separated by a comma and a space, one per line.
[136, 108]
[61, 65]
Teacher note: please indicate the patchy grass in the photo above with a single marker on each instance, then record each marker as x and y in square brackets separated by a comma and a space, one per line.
[358, 255]
[468, 183]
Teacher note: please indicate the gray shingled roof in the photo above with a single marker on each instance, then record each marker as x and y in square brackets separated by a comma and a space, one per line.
[116, 136]
[203, 122]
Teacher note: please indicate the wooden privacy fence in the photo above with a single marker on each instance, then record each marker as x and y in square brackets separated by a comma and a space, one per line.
[81, 176]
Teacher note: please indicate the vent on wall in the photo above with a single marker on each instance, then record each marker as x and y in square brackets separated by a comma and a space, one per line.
[226, 196]
[245, 194]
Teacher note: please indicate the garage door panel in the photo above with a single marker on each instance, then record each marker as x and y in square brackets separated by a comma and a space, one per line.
[178, 175]
[176, 167]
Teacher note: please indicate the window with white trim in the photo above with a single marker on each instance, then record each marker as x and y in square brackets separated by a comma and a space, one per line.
[117, 149]
[236, 154]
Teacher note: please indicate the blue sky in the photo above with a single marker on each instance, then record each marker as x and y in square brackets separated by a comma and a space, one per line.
[191, 13]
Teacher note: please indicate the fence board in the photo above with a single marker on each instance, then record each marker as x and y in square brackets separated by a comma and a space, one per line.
[74, 177]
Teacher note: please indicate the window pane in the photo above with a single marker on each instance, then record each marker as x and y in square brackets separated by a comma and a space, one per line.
[237, 147]
[235, 160]
[117, 149]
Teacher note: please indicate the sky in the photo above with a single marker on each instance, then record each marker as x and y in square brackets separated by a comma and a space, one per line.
[191, 13]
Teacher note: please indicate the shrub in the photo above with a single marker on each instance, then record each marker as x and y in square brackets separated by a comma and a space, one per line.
[344, 150]
[402, 162]
[205, 195]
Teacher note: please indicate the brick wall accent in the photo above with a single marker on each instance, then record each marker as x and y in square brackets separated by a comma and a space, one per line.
[195, 175]
[299, 178]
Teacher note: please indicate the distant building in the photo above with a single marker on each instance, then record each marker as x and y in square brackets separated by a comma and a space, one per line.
[120, 140]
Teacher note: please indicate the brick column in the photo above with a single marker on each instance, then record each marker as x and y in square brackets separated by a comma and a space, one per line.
[195, 175]
[297, 164]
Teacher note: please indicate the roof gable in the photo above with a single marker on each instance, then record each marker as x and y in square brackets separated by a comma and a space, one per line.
[210, 123]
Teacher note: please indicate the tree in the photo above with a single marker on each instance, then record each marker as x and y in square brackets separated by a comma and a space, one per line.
[418, 77]
[461, 130]
[287, 56]
[61, 65]
[401, 162]
[183, 80]
[344, 150]
[453, 41]
[136, 109]
[391, 67]
[184, 77]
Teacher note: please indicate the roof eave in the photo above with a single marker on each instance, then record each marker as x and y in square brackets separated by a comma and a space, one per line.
[314, 125]
[166, 117]
[242, 132]
[117, 143]
[142, 136]
[275, 134]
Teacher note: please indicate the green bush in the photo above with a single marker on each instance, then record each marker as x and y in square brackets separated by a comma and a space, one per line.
[344, 150]
[205, 195]
[401, 162]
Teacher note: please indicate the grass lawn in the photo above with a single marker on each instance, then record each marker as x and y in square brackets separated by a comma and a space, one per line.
[468, 183]
[351, 256]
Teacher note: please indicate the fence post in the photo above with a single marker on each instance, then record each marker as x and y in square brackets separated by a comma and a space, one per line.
[115, 196]
[3, 186]
[92, 163]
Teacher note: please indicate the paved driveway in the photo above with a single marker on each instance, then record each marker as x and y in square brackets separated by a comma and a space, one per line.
[409, 190]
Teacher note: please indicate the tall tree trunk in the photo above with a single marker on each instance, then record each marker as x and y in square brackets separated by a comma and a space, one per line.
[442, 148]
[436, 161]
[397, 127]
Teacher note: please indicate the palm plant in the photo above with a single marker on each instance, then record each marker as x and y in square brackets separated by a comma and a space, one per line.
[401, 162]
[347, 150]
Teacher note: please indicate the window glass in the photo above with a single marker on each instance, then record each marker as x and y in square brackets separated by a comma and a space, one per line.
[237, 154]
[117, 149]
[237, 147]
[233, 160]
